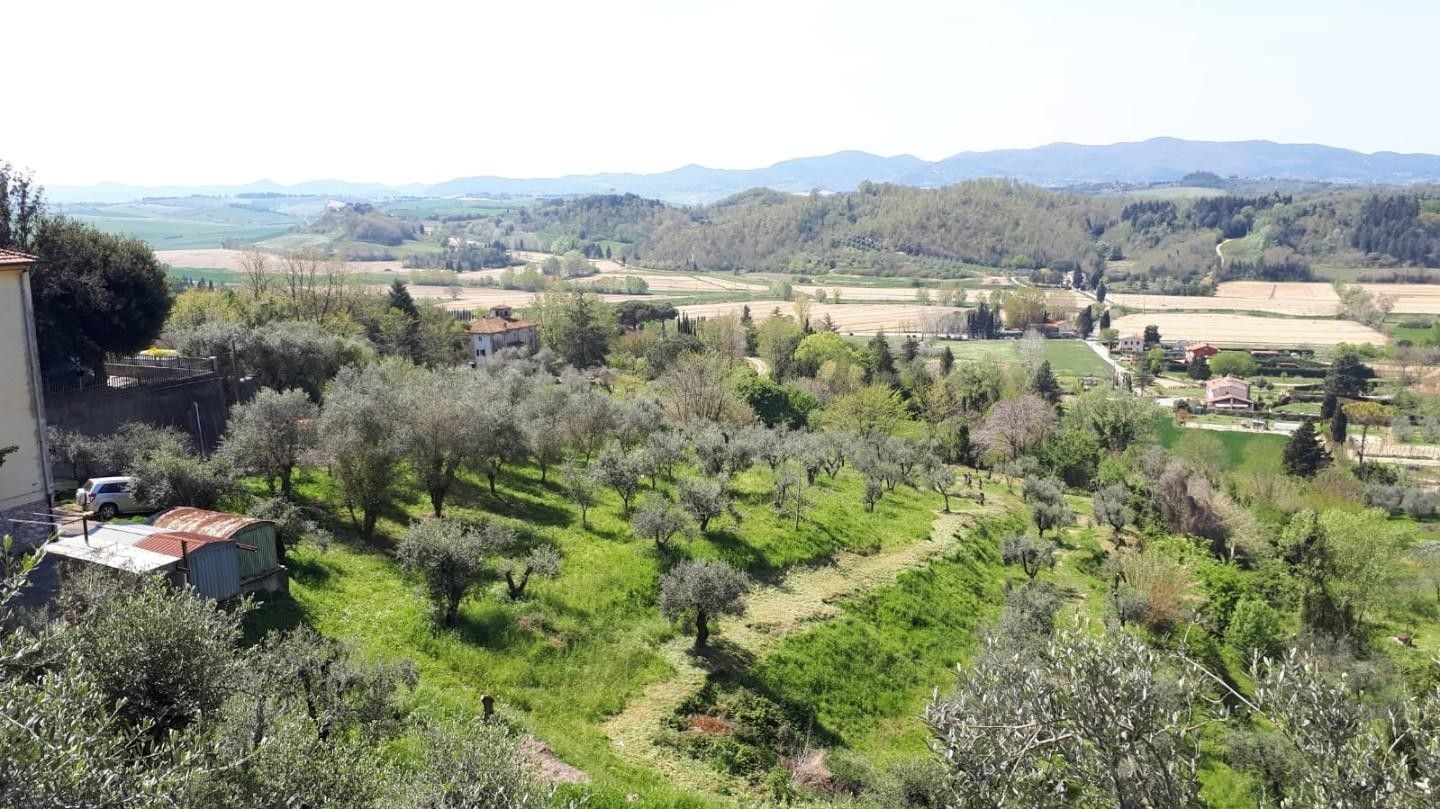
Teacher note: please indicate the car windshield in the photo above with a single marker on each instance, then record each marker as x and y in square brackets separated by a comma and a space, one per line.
[89, 484]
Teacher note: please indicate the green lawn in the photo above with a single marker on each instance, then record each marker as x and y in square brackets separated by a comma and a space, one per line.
[1243, 450]
[579, 646]
[1068, 358]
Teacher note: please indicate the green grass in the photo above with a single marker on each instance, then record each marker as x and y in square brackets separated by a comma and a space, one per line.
[1068, 358]
[176, 234]
[581, 645]
[1243, 450]
[867, 673]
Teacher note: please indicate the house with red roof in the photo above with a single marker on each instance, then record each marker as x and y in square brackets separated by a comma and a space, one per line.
[498, 331]
[1228, 393]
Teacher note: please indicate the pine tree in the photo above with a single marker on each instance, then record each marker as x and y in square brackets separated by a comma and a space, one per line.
[1199, 368]
[400, 299]
[1339, 426]
[1105, 319]
[910, 349]
[1304, 455]
[947, 361]
[1044, 384]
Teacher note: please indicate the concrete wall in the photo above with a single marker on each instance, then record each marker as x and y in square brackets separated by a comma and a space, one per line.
[22, 475]
[99, 411]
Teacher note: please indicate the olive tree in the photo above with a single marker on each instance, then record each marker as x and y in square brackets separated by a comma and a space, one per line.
[659, 519]
[541, 561]
[621, 471]
[581, 485]
[704, 498]
[1033, 555]
[168, 478]
[696, 591]
[452, 558]
[361, 437]
[1048, 508]
[270, 435]
[1112, 507]
[1091, 720]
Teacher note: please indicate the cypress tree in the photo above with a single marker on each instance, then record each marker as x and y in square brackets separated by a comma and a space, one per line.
[1328, 405]
[1304, 455]
[1339, 425]
[1044, 384]
[882, 363]
[1199, 368]
[1105, 319]
[947, 361]
[1085, 322]
[910, 349]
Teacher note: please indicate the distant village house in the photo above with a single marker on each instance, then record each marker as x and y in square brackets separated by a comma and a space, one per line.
[498, 331]
[1228, 393]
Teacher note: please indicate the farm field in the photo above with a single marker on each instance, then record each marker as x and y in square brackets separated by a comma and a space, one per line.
[222, 259]
[1251, 330]
[856, 318]
[1298, 298]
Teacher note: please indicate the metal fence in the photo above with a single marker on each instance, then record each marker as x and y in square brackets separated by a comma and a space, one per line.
[131, 372]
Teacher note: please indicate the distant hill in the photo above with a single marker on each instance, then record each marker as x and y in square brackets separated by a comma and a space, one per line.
[1054, 165]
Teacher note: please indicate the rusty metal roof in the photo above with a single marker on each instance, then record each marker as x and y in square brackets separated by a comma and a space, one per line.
[201, 521]
[174, 543]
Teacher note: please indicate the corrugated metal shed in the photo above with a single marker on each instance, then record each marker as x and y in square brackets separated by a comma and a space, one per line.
[115, 546]
[209, 564]
[259, 534]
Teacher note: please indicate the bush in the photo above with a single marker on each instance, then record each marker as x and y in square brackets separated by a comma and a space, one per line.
[1255, 629]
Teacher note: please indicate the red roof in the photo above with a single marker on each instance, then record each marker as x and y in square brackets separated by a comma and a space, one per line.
[13, 257]
[496, 325]
[170, 542]
[201, 521]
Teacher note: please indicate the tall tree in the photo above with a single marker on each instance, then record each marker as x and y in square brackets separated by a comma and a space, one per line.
[362, 438]
[880, 361]
[1044, 384]
[95, 294]
[575, 325]
[1304, 454]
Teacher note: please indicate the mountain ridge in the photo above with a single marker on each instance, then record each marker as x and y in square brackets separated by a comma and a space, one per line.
[1160, 159]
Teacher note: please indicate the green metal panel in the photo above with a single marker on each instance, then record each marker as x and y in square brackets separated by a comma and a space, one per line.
[264, 558]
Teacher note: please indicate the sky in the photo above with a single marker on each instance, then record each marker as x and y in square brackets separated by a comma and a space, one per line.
[232, 91]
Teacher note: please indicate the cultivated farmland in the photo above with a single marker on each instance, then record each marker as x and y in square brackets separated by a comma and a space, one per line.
[1250, 330]
[1298, 298]
[853, 318]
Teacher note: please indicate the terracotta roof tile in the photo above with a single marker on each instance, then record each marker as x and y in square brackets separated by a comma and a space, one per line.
[15, 257]
[496, 325]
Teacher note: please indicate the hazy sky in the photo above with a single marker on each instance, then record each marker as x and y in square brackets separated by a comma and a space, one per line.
[238, 90]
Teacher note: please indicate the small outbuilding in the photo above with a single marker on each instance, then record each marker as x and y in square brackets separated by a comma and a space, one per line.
[256, 543]
[207, 564]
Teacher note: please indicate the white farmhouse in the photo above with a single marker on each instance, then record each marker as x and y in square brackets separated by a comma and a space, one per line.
[498, 331]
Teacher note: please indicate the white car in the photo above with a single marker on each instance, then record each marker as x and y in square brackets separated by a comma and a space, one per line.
[107, 497]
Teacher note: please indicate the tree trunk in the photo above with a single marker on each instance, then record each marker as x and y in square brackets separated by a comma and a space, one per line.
[490, 477]
[370, 519]
[702, 629]
[286, 486]
[437, 501]
[516, 589]
[704, 523]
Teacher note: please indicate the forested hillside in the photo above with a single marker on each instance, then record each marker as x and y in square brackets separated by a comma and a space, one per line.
[1153, 243]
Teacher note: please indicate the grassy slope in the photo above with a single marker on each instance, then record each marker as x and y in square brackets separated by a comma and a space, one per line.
[580, 646]
[1259, 450]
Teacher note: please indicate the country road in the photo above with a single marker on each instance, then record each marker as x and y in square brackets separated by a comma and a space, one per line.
[761, 366]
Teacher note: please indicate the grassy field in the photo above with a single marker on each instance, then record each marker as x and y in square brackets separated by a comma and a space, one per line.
[1068, 358]
[579, 647]
[1242, 450]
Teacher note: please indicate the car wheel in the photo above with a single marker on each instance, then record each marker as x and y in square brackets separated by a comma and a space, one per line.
[107, 511]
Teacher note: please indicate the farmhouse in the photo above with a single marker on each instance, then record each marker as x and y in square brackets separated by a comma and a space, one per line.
[1131, 344]
[24, 467]
[1204, 350]
[500, 330]
[1228, 393]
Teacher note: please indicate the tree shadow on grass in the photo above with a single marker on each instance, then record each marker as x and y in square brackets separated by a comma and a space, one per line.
[273, 612]
[741, 554]
[492, 629]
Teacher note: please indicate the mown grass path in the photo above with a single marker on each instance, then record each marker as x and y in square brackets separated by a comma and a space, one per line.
[803, 598]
